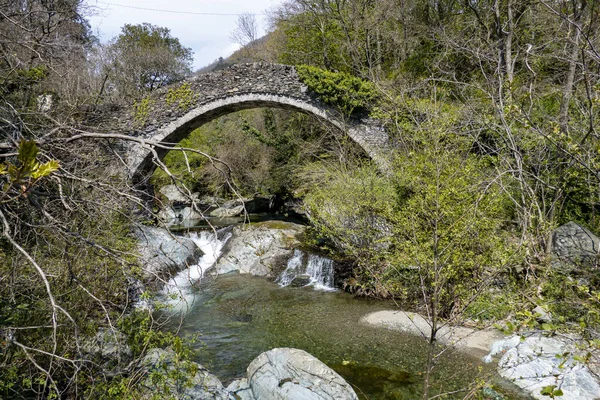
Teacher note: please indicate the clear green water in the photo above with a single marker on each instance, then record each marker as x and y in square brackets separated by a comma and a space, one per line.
[240, 316]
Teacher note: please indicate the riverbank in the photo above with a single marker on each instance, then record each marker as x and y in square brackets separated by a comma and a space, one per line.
[475, 342]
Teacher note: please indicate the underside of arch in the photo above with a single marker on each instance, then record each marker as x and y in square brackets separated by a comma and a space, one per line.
[142, 161]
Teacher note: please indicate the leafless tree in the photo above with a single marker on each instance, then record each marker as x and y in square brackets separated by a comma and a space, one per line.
[246, 30]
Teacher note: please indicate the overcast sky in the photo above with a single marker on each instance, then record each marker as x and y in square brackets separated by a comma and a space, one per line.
[207, 35]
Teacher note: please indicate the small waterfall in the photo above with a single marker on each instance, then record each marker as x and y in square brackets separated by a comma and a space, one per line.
[293, 269]
[178, 289]
[313, 270]
[321, 271]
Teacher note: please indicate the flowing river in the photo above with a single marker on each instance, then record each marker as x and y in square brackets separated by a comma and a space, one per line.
[236, 317]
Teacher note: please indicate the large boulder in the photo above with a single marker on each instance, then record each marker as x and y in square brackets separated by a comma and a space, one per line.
[227, 212]
[162, 254]
[259, 249]
[163, 374]
[236, 207]
[535, 362]
[291, 374]
[188, 215]
[185, 217]
[575, 248]
[168, 216]
[177, 195]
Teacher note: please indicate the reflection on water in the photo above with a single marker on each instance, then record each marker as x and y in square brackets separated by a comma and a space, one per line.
[240, 316]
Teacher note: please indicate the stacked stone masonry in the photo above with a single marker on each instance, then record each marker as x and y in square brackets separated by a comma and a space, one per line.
[171, 113]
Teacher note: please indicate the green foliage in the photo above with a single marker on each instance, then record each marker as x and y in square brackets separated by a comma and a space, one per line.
[494, 305]
[263, 148]
[142, 111]
[142, 333]
[26, 173]
[23, 79]
[146, 57]
[304, 42]
[574, 301]
[551, 391]
[182, 95]
[449, 221]
[166, 379]
[344, 91]
[437, 221]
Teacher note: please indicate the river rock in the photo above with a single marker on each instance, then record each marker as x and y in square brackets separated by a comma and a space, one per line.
[291, 374]
[175, 194]
[300, 280]
[259, 249]
[177, 379]
[188, 215]
[575, 248]
[211, 201]
[535, 362]
[185, 217]
[225, 212]
[162, 254]
[168, 216]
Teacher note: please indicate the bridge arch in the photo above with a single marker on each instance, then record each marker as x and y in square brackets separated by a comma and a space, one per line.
[238, 88]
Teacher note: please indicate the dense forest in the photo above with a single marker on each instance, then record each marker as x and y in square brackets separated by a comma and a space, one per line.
[492, 109]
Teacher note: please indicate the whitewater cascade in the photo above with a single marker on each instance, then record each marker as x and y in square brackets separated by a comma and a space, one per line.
[318, 270]
[178, 289]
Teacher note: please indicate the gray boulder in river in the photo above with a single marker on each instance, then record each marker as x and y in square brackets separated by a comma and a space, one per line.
[163, 254]
[290, 374]
[259, 249]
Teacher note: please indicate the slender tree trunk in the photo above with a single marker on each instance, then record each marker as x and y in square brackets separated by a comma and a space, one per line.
[567, 92]
[508, 38]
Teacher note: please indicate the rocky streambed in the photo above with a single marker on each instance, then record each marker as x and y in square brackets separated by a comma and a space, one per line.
[377, 349]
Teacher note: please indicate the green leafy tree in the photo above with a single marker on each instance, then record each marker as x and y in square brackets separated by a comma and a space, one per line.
[145, 57]
[431, 234]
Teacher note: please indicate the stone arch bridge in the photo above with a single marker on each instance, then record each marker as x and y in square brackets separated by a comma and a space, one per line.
[171, 113]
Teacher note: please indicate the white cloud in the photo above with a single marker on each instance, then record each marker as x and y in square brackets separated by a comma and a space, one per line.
[207, 35]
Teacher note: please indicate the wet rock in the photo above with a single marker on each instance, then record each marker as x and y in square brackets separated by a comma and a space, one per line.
[300, 280]
[258, 249]
[575, 248]
[162, 254]
[168, 216]
[536, 361]
[188, 216]
[190, 382]
[291, 374]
